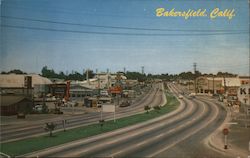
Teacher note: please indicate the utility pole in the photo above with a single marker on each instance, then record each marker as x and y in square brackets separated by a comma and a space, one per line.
[124, 70]
[213, 83]
[142, 69]
[87, 75]
[225, 87]
[195, 82]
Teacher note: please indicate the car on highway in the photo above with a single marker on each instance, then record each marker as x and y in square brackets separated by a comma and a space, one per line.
[125, 104]
[180, 96]
[191, 95]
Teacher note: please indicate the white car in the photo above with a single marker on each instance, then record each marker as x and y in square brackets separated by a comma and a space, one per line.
[38, 107]
[180, 97]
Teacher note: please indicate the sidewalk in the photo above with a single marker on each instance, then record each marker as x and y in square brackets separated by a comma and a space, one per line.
[238, 137]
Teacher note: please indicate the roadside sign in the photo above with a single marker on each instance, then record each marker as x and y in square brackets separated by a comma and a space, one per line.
[108, 108]
[225, 131]
[244, 94]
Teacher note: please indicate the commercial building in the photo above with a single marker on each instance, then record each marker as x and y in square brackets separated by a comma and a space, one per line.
[218, 85]
[11, 105]
[17, 92]
[22, 84]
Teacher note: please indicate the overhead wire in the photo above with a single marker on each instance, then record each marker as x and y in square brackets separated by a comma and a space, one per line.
[116, 27]
[119, 33]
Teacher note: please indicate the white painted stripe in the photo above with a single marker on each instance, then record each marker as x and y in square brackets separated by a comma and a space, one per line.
[187, 136]
[3, 154]
[155, 138]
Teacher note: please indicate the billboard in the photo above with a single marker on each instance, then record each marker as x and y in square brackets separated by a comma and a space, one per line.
[244, 94]
[108, 108]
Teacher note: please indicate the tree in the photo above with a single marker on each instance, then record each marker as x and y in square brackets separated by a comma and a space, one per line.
[90, 72]
[50, 127]
[147, 108]
[15, 71]
[225, 74]
[136, 76]
[157, 108]
[49, 73]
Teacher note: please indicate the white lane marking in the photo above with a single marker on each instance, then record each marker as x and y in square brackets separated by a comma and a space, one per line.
[155, 138]
[3, 154]
[80, 152]
[95, 138]
[136, 133]
[187, 136]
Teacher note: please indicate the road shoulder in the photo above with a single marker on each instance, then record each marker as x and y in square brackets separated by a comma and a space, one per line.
[238, 139]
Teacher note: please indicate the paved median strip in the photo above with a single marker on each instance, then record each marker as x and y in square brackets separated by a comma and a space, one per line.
[42, 142]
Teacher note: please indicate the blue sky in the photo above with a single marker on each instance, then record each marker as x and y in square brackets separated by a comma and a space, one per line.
[174, 52]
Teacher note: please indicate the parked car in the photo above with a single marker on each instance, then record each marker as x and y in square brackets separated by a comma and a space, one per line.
[99, 104]
[38, 108]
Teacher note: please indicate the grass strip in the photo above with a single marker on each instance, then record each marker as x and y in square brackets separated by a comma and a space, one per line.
[38, 143]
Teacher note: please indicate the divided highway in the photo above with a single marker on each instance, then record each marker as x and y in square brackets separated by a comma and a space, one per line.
[176, 134]
[17, 132]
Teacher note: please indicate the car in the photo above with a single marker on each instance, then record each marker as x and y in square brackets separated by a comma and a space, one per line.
[38, 107]
[192, 94]
[125, 104]
[99, 105]
[180, 97]
[104, 93]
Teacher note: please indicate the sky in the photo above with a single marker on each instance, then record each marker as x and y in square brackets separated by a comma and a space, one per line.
[77, 35]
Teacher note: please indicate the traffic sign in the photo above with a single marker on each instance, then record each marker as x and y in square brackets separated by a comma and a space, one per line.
[225, 131]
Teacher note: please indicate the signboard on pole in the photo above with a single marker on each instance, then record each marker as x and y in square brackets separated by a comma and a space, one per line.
[244, 94]
[108, 108]
[225, 132]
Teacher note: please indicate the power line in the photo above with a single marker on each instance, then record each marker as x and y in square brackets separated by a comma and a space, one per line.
[119, 33]
[115, 27]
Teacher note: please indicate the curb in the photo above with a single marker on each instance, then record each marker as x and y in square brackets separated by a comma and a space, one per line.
[210, 140]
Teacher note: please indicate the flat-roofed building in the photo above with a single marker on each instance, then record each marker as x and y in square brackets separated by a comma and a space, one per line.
[11, 105]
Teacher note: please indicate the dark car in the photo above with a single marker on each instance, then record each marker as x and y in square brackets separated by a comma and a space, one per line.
[125, 104]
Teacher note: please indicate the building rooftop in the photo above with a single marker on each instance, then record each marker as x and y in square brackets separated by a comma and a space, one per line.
[17, 80]
[230, 81]
[10, 99]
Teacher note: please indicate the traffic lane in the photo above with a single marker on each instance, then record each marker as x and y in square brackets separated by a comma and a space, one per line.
[83, 144]
[105, 147]
[7, 129]
[71, 118]
[194, 145]
[71, 123]
[69, 148]
[167, 137]
[186, 147]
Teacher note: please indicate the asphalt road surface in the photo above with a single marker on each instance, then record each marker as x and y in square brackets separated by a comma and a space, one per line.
[176, 134]
[17, 132]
